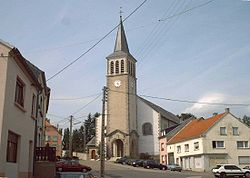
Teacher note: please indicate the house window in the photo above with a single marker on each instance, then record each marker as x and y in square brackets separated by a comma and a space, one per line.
[162, 146]
[196, 146]
[54, 139]
[235, 131]
[218, 144]
[244, 159]
[186, 147]
[33, 107]
[242, 144]
[147, 129]
[112, 67]
[223, 131]
[41, 104]
[19, 94]
[178, 149]
[117, 67]
[12, 147]
[122, 66]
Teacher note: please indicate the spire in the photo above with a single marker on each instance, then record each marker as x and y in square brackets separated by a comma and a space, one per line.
[121, 41]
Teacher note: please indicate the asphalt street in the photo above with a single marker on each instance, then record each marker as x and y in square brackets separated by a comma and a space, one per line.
[113, 170]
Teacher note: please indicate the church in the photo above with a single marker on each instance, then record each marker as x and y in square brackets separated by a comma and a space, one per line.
[132, 123]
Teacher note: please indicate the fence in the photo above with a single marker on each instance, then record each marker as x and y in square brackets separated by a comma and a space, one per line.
[46, 154]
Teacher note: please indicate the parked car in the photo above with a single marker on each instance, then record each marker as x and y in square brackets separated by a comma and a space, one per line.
[71, 166]
[121, 160]
[153, 164]
[246, 167]
[174, 167]
[137, 163]
[74, 175]
[226, 170]
[129, 161]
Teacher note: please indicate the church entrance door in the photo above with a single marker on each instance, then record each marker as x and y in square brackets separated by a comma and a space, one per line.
[118, 150]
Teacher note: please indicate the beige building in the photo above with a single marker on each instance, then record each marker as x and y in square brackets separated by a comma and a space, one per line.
[133, 124]
[203, 143]
[20, 106]
[53, 137]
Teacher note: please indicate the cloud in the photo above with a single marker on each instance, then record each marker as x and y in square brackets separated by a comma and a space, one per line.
[203, 109]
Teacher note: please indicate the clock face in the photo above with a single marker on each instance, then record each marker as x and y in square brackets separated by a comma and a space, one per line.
[117, 83]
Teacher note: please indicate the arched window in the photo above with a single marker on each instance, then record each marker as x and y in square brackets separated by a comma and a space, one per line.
[134, 70]
[147, 129]
[128, 67]
[122, 66]
[117, 67]
[112, 67]
[131, 68]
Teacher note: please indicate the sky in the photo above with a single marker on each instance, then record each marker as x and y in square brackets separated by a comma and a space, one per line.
[196, 50]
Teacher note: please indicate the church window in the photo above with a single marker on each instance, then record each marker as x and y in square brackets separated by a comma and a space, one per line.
[147, 129]
[131, 69]
[131, 65]
[128, 67]
[112, 67]
[117, 67]
[122, 66]
[134, 70]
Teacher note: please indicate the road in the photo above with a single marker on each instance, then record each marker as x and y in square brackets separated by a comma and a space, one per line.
[113, 170]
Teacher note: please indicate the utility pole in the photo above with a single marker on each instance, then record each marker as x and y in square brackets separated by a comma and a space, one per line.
[70, 136]
[102, 161]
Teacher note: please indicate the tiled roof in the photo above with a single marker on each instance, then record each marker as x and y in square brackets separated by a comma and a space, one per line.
[174, 131]
[92, 142]
[195, 128]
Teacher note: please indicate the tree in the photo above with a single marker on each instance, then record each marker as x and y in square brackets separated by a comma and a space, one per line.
[246, 120]
[78, 143]
[65, 142]
[185, 116]
[90, 126]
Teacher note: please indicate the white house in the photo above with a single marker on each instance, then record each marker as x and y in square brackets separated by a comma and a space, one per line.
[203, 143]
[19, 101]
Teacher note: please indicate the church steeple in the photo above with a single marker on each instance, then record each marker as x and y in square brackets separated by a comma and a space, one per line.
[121, 41]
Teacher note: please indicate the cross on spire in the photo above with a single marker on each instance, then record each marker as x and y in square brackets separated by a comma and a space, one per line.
[120, 12]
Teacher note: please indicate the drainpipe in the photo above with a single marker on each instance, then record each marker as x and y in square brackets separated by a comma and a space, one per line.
[35, 130]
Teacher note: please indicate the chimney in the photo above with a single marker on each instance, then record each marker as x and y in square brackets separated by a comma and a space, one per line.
[201, 118]
[215, 113]
[227, 110]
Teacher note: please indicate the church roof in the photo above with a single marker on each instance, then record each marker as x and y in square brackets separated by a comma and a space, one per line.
[162, 111]
[121, 41]
[121, 46]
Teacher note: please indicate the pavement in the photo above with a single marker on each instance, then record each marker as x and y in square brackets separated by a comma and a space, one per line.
[113, 170]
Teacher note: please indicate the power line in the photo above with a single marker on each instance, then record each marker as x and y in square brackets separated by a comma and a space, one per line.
[183, 12]
[86, 105]
[197, 102]
[64, 68]
[70, 99]
[186, 101]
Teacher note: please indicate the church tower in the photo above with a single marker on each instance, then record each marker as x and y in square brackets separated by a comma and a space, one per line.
[121, 128]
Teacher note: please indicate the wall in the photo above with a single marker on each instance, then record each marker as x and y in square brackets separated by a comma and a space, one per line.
[230, 140]
[18, 121]
[3, 72]
[149, 143]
